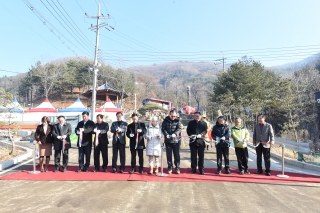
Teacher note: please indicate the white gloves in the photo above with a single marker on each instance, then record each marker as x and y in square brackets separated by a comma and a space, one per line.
[59, 137]
[95, 129]
[139, 130]
[78, 132]
[131, 135]
[199, 136]
[217, 139]
[223, 138]
[119, 130]
[272, 142]
[64, 136]
[173, 135]
[168, 136]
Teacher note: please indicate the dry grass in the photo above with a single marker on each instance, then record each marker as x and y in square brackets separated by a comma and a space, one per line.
[4, 154]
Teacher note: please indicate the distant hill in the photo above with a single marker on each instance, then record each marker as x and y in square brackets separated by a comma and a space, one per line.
[288, 69]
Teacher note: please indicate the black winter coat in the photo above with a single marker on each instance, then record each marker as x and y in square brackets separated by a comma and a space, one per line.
[170, 127]
[196, 128]
[132, 129]
[87, 132]
[220, 131]
[103, 137]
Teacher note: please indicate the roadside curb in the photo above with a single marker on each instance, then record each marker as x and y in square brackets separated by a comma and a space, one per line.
[293, 162]
[17, 159]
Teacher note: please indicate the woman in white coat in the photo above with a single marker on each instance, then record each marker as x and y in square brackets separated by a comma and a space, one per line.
[153, 137]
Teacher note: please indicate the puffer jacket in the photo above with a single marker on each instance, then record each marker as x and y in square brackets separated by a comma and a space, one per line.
[170, 127]
[239, 133]
[153, 142]
[220, 131]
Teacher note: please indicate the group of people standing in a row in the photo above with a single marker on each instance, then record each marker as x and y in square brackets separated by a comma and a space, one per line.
[169, 133]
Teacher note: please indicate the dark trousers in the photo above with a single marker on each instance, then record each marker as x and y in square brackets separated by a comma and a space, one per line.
[197, 150]
[121, 148]
[133, 158]
[266, 156]
[242, 157]
[84, 151]
[175, 149]
[104, 151]
[225, 152]
[57, 157]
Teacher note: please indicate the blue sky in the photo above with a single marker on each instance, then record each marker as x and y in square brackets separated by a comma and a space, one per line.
[158, 31]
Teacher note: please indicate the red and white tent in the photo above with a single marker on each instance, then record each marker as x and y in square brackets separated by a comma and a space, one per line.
[44, 109]
[108, 109]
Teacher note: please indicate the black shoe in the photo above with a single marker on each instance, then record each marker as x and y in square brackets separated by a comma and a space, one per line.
[268, 174]
[141, 171]
[121, 171]
[241, 172]
[79, 170]
[87, 170]
[228, 171]
[64, 170]
[95, 170]
[193, 171]
[132, 171]
[258, 172]
[56, 170]
[247, 172]
[201, 172]
[169, 170]
[178, 171]
[104, 170]
[219, 172]
[114, 170]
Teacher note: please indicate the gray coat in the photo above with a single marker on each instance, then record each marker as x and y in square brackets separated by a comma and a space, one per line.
[266, 135]
[122, 135]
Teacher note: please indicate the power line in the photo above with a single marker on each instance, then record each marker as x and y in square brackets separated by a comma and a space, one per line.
[80, 6]
[75, 23]
[64, 26]
[50, 26]
[32, 29]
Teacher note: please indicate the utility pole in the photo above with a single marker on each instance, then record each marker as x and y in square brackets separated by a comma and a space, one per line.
[96, 28]
[222, 59]
[188, 94]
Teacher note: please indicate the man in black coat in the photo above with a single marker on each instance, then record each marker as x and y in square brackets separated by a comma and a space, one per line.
[61, 134]
[136, 131]
[119, 129]
[84, 129]
[220, 133]
[101, 144]
[171, 128]
[196, 130]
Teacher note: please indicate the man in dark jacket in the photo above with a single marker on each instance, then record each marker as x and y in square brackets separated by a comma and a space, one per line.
[171, 127]
[84, 130]
[119, 129]
[220, 133]
[101, 144]
[61, 134]
[136, 131]
[196, 130]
